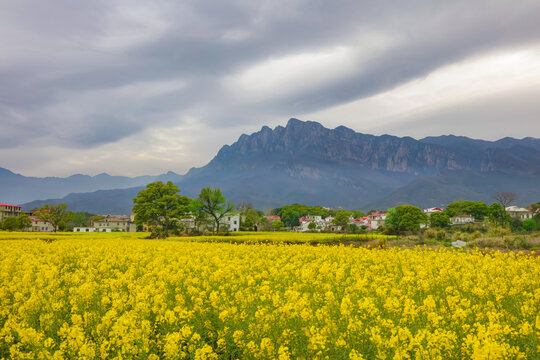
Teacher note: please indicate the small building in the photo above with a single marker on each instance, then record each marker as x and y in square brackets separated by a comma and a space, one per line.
[9, 210]
[375, 220]
[462, 219]
[231, 222]
[39, 225]
[519, 212]
[84, 229]
[320, 223]
[115, 223]
[433, 210]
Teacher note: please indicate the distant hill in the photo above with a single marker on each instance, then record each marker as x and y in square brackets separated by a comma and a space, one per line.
[18, 189]
[307, 163]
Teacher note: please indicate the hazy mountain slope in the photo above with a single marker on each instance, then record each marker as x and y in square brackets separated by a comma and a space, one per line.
[451, 185]
[308, 163]
[118, 201]
[17, 189]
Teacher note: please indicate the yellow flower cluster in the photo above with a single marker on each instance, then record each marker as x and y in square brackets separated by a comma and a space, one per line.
[114, 298]
[233, 237]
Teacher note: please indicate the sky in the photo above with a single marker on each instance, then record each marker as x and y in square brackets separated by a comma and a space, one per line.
[145, 87]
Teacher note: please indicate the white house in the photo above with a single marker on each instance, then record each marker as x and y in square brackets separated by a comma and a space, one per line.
[519, 212]
[462, 219]
[84, 229]
[375, 220]
[231, 222]
[319, 222]
[39, 225]
[115, 222]
[430, 211]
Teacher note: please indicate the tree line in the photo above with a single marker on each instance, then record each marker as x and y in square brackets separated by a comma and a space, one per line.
[57, 216]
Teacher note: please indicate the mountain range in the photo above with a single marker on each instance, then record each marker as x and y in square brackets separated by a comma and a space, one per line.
[308, 163]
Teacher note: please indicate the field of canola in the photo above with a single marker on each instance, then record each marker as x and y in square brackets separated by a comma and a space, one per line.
[111, 296]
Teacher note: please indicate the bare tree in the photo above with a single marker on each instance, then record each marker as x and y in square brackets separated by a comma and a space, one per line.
[244, 205]
[505, 198]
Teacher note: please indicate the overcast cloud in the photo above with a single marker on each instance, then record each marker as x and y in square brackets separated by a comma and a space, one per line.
[138, 87]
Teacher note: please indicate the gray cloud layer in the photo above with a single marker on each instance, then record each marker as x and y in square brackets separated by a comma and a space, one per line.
[81, 75]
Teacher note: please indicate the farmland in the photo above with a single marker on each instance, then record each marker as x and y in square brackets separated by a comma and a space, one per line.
[118, 296]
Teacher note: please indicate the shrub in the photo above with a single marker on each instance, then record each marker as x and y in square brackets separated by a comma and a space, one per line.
[431, 233]
[441, 235]
[477, 234]
[498, 231]
[530, 225]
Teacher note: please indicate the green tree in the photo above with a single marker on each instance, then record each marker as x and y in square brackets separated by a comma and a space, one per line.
[477, 209]
[341, 219]
[497, 214]
[265, 224]
[10, 223]
[160, 207]
[213, 203]
[78, 219]
[405, 218]
[515, 224]
[357, 214]
[23, 222]
[439, 220]
[303, 210]
[312, 226]
[247, 224]
[53, 214]
[392, 220]
[290, 217]
[352, 229]
[250, 217]
[277, 225]
[530, 225]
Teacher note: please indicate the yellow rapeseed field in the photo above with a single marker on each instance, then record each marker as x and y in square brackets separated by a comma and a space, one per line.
[114, 296]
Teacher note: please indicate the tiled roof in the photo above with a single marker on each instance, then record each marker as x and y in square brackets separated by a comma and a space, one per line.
[17, 206]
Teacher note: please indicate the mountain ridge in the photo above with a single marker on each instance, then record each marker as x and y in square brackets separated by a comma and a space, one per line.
[307, 162]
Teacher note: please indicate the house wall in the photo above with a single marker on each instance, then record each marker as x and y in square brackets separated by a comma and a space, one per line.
[9, 210]
[123, 225]
[40, 226]
[232, 222]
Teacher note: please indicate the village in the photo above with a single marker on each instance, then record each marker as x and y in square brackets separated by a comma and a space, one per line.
[234, 221]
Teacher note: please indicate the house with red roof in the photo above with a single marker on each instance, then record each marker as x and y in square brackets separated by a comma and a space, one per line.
[39, 225]
[375, 220]
[9, 210]
[432, 210]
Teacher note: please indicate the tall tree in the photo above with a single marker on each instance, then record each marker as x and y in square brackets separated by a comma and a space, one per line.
[341, 219]
[277, 225]
[290, 217]
[439, 220]
[476, 209]
[10, 223]
[160, 206]
[497, 214]
[53, 214]
[505, 198]
[213, 203]
[405, 218]
[23, 222]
